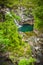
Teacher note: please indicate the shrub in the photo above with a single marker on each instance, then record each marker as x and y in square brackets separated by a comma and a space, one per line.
[25, 61]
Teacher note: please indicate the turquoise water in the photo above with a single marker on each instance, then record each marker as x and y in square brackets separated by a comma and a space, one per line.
[26, 28]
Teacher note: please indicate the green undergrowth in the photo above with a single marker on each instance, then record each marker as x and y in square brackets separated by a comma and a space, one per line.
[11, 41]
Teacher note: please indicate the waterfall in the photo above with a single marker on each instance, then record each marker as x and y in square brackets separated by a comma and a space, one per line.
[17, 23]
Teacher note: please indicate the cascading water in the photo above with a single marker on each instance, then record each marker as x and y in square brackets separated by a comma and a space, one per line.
[17, 23]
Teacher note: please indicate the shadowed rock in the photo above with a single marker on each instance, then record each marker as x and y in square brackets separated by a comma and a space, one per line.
[5, 61]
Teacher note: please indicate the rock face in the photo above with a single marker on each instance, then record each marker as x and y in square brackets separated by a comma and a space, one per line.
[41, 46]
[25, 18]
[36, 44]
[27, 21]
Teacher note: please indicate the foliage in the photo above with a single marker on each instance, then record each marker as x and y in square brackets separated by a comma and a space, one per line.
[38, 14]
[38, 24]
[37, 2]
[11, 41]
[8, 33]
[31, 61]
[25, 61]
[9, 3]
